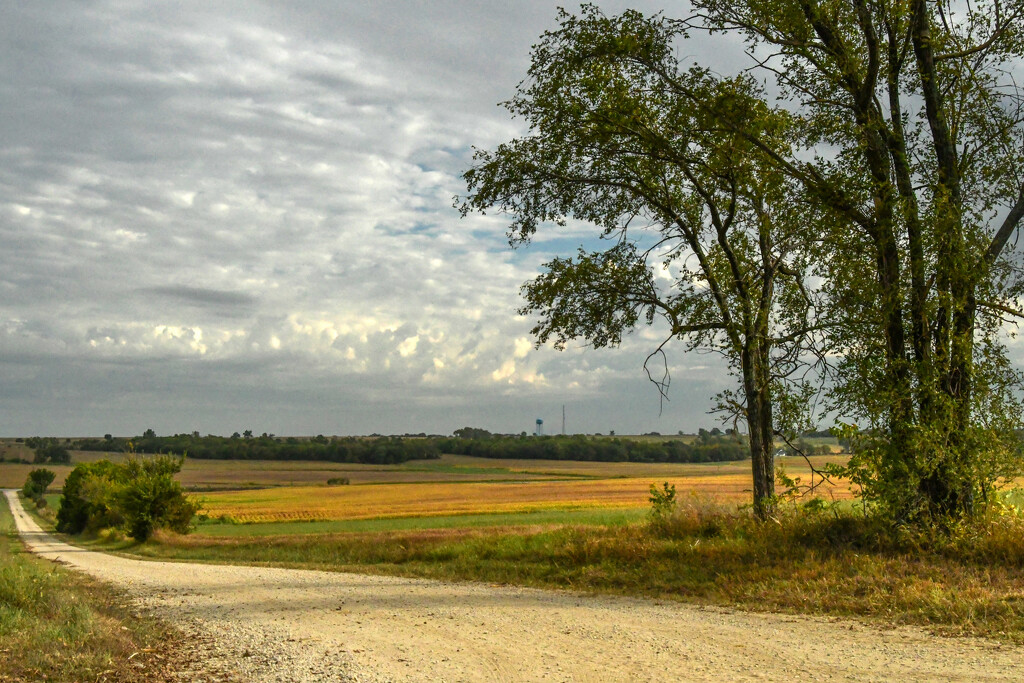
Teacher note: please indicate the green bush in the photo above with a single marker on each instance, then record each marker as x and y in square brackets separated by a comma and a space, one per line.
[151, 498]
[37, 482]
[48, 449]
[663, 502]
[84, 497]
[138, 496]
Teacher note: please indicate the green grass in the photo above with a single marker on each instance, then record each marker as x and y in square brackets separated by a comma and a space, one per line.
[588, 517]
[59, 625]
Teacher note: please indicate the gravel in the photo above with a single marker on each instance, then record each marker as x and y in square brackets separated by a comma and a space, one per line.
[272, 624]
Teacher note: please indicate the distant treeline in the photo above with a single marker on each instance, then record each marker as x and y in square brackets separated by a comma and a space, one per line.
[605, 449]
[383, 450]
[387, 450]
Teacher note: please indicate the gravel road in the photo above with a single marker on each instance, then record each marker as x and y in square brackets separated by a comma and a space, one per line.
[294, 625]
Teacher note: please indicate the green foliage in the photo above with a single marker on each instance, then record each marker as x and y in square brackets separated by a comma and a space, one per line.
[663, 503]
[48, 449]
[338, 481]
[472, 433]
[150, 498]
[37, 482]
[583, 448]
[925, 182]
[84, 502]
[376, 451]
[706, 238]
[865, 218]
[139, 496]
[467, 441]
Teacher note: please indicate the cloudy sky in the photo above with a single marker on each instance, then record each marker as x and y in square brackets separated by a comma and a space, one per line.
[222, 216]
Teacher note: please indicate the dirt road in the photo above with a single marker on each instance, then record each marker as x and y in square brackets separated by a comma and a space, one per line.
[293, 625]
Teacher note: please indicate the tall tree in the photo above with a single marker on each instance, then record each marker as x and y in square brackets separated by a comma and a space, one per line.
[702, 233]
[916, 105]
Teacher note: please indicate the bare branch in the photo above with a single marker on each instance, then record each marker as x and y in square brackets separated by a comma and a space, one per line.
[814, 471]
[1002, 235]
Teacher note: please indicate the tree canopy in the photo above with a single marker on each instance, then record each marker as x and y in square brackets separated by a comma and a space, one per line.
[859, 217]
[702, 231]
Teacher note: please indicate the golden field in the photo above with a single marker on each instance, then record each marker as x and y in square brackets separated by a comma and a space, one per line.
[267, 491]
[608, 485]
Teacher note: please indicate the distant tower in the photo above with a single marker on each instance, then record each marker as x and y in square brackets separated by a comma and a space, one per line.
[563, 419]
[540, 428]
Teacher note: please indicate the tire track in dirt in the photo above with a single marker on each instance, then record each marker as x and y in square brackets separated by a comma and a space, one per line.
[296, 625]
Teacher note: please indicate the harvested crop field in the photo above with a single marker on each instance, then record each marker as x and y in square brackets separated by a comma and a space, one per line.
[449, 498]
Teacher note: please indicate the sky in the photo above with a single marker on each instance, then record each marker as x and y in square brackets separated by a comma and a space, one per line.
[220, 216]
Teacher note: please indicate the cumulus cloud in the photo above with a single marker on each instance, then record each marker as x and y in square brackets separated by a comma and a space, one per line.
[238, 215]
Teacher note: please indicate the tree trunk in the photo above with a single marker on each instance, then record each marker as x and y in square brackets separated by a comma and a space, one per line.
[760, 427]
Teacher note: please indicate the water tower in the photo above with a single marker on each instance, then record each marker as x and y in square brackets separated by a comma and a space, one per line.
[540, 427]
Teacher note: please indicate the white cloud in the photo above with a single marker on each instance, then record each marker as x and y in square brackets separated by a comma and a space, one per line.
[245, 210]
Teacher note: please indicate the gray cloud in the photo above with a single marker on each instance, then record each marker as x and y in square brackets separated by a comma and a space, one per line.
[203, 297]
[221, 216]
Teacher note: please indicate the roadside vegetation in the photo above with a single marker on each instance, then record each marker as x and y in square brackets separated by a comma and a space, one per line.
[36, 484]
[59, 625]
[136, 496]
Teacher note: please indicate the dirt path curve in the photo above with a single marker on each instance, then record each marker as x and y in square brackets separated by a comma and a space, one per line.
[295, 625]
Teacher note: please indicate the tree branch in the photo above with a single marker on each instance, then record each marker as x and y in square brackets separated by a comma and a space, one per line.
[1002, 235]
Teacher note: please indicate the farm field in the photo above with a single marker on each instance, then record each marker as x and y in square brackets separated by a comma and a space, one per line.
[581, 525]
[555, 485]
[538, 519]
[260, 497]
[257, 491]
[201, 475]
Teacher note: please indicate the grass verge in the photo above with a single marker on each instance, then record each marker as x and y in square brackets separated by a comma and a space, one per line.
[967, 582]
[59, 625]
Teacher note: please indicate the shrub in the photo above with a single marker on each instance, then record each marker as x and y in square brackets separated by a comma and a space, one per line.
[151, 498]
[139, 495]
[49, 450]
[338, 481]
[37, 482]
[85, 497]
[663, 504]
